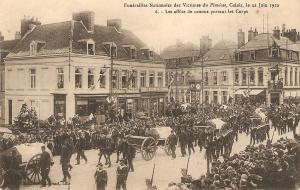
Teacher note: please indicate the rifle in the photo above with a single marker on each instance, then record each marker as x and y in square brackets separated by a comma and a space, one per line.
[187, 165]
[153, 170]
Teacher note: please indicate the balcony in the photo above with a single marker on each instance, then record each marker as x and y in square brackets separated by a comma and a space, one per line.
[272, 85]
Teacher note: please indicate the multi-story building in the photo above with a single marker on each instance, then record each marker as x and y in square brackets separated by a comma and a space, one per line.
[217, 64]
[65, 69]
[5, 48]
[266, 69]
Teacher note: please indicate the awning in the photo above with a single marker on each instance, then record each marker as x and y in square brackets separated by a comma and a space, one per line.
[255, 92]
[239, 92]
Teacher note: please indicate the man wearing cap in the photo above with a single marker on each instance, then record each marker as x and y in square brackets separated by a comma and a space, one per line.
[45, 163]
[122, 173]
[172, 143]
[101, 177]
[80, 149]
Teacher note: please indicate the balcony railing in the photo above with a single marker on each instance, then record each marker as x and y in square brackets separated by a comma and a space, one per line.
[272, 85]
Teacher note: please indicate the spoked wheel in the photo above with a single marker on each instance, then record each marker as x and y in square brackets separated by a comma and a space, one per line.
[33, 170]
[167, 148]
[148, 148]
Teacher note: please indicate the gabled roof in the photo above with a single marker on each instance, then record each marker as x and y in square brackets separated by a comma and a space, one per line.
[222, 50]
[265, 40]
[180, 50]
[57, 36]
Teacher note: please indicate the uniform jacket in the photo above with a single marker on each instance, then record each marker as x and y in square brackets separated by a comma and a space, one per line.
[101, 177]
[45, 160]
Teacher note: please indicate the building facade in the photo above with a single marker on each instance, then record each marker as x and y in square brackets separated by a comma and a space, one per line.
[74, 67]
[5, 47]
[265, 69]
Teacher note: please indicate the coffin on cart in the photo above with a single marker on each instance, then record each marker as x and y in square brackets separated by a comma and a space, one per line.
[29, 155]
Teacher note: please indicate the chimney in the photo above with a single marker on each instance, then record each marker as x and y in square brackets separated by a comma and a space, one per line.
[298, 36]
[27, 24]
[87, 18]
[293, 35]
[18, 35]
[255, 33]
[241, 38]
[250, 34]
[1, 37]
[116, 23]
[276, 33]
[283, 29]
[205, 44]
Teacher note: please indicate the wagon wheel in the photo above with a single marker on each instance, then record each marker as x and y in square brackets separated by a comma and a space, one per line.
[148, 148]
[167, 148]
[33, 171]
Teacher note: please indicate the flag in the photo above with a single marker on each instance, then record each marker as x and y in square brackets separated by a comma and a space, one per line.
[172, 80]
[101, 75]
[130, 78]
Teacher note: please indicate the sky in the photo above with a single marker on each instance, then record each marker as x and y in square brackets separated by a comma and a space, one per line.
[156, 30]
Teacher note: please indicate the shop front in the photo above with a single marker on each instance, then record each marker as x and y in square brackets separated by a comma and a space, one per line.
[60, 105]
[128, 106]
[153, 104]
[91, 104]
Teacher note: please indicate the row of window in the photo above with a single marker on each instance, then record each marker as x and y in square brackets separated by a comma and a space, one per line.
[120, 79]
[110, 49]
[248, 77]
[195, 96]
[273, 52]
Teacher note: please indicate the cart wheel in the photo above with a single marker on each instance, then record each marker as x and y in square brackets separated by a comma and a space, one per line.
[33, 170]
[167, 148]
[148, 148]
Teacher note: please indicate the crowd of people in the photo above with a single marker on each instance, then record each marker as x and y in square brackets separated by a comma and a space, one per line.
[65, 138]
[270, 166]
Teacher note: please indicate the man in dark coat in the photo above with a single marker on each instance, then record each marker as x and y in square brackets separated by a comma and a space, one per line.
[65, 161]
[45, 167]
[80, 149]
[101, 177]
[172, 143]
[129, 154]
[183, 142]
[122, 174]
[13, 177]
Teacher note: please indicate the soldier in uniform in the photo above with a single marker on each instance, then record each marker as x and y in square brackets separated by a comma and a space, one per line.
[172, 143]
[65, 161]
[108, 149]
[45, 167]
[122, 174]
[101, 177]
[102, 148]
[13, 177]
[129, 155]
[80, 149]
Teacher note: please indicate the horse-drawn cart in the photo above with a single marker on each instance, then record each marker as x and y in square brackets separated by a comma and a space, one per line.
[29, 155]
[147, 145]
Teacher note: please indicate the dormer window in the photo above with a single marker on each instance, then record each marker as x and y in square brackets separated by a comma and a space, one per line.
[252, 55]
[145, 52]
[151, 53]
[33, 48]
[130, 51]
[110, 49]
[88, 45]
[91, 49]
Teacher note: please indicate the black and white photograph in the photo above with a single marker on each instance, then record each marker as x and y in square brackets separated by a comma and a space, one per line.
[149, 95]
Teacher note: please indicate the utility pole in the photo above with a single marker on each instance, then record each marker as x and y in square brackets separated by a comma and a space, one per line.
[111, 72]
[202, 85]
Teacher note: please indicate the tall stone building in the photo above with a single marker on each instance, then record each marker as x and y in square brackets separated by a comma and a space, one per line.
[65, 69]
